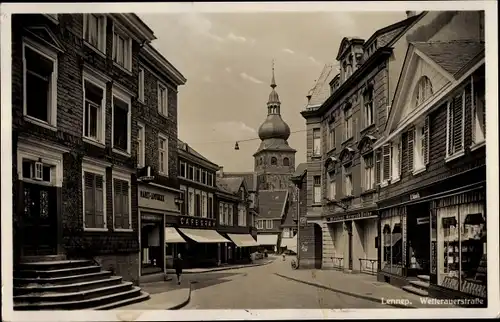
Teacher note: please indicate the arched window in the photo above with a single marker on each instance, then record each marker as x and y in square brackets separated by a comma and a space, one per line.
[286, 162]
[274, 161]
[260, 161]
[423, 90]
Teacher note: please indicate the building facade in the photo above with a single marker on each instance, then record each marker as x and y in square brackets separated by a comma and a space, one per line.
[74, 90]
[156, 157]
[235, 220]
[432, 201]
[197, 223]
[347, 118]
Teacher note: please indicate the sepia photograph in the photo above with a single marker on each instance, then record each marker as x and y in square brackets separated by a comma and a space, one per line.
[189, 161]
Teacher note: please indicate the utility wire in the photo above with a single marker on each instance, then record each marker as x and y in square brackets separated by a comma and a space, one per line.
[246, 140]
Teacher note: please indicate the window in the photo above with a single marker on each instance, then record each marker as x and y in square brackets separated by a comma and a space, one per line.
[421, 149]
[331, 136]
[141, 140]
[368, 107]
[347, 123]
[182, 169]
[260, 224]
[221, 213]
[317, 189]
[204, 177]
[286, 162]
[197, 204]
[369, 173]
[197, 175]
[316, 142]
[122, 207]
[378, 166]
[396, 161]
[331, 185]
[183, 197]
[274, 161]
[162, 100]
[94, 196]
[210, 206]
[286, 232]
[242, 218]
[162, 154]
[40, 84]
[191, 202]
[269, 224]
[479, 113]
[347, 180]
[190, 172]
[423, 90]
[230, 220]
[122, 49]
[210, 179]
[34, 169]
[204, 201]
[94, 93]
[141, 85]
[94, 31]
[121, 122]
[455, 125]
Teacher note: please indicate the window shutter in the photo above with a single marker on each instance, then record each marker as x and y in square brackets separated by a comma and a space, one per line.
[125, 202]
[457, 123]
[450, 128]
[474, 111]
[89, 200]
[378, 169]
[386, 150]
[411, 143]
[426, 140]
[99, 202]
[400, 158]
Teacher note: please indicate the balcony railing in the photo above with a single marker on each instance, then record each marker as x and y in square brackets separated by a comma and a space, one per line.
[337, 262]
[368, 266]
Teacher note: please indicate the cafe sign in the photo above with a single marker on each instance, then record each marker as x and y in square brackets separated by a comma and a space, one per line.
[196, 222]
[356, 216]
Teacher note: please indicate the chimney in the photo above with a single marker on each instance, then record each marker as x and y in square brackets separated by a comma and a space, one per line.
[220, 172]
[410, 14]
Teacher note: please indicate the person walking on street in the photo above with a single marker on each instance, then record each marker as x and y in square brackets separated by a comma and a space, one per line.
[178, 268]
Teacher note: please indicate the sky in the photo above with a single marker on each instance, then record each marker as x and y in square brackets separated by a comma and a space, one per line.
[227, 60]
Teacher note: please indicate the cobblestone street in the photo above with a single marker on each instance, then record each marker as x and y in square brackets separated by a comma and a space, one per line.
[265, 287]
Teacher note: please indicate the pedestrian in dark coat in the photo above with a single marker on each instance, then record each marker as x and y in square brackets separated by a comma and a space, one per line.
[178, 268]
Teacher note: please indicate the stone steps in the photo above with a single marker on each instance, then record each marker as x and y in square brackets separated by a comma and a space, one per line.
[67, 288]
[419, 286]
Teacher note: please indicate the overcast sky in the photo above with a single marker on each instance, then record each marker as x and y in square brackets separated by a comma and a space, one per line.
[227, 59]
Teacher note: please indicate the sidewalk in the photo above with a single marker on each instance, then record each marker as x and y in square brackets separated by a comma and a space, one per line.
[357, 285]
[259, 262]
[163, 296]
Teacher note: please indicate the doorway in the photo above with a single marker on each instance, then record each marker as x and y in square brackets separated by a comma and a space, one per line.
[39, 219]
[418, 251]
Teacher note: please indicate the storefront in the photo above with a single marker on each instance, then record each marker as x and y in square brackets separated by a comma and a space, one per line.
[354, 241]
[202, 245]
[243, 246]
[155, 203]
[458, 245]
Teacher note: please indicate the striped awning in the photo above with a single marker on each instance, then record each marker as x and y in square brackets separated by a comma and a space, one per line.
[267, 240]
[204, 235]
[243, 240]
[173, 236]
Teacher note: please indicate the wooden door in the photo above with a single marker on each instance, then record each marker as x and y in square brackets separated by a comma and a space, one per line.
[39, 220]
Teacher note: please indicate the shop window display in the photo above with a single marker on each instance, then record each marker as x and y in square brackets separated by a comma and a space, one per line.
[392, 242]
[461, 253]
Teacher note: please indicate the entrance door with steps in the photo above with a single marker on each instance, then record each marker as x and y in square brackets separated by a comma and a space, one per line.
[419, 285]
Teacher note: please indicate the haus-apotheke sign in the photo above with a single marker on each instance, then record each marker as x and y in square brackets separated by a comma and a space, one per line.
[196, 222]
[156, 198]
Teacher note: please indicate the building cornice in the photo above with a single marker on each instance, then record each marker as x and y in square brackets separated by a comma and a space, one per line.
[162, 64]
[197, 160]
[137, 26]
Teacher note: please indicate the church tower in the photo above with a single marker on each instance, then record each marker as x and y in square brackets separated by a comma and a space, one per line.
[274, 159]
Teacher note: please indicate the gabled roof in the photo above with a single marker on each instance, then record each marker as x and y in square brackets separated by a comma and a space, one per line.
[185, 147]
[400, 24]
[450, 58]
[300, 170]
[321, 90]
[346, 42]
[229, 185]
[272, 203]
[290, 216]
[249, 177]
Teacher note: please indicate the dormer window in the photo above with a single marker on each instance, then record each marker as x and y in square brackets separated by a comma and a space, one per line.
[423, 91]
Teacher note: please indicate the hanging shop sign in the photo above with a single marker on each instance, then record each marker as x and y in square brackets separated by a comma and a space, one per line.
[196, 222]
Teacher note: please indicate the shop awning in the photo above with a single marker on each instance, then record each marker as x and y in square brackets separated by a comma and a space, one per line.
[243, 240]
[266, 240]
[173, 236]
[290, 243]
[204, 235]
